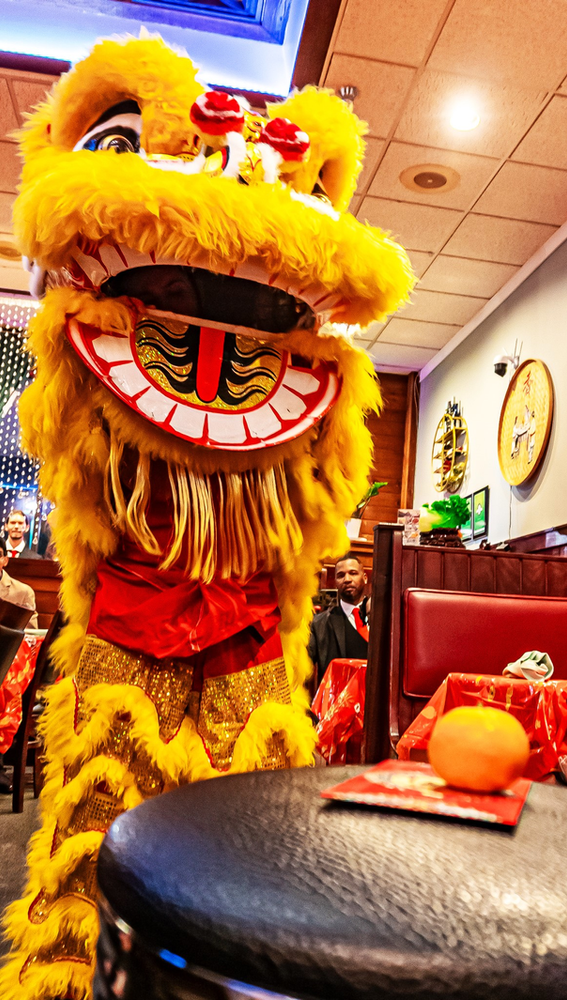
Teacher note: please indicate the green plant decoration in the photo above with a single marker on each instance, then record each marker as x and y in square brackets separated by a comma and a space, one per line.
[372, 491]
[451, 513]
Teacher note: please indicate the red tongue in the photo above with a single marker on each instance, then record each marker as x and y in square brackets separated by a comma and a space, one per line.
[211, 348]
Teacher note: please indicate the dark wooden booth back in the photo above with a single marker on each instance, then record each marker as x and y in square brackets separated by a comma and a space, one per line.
[397, 568]
[42, 575]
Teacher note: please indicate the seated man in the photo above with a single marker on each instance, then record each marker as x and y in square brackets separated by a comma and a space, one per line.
[15, 591]
[342, 630]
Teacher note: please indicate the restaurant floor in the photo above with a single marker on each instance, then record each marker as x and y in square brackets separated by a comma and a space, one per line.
[15, 831]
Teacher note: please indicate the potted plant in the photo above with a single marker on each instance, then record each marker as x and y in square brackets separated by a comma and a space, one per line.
[440, 521]
[354, 524]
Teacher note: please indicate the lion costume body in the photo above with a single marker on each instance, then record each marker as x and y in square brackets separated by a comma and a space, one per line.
[201, 433]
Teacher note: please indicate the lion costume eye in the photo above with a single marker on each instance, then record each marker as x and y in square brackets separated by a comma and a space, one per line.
[121, 142]
[119, 129]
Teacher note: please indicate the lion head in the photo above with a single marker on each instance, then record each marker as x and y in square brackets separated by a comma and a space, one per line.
[223, 232]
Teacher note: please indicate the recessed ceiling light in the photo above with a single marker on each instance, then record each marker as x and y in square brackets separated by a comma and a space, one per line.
[464, 116]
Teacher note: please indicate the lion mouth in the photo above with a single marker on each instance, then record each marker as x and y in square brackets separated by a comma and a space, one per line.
[213, 298]
[203, 360]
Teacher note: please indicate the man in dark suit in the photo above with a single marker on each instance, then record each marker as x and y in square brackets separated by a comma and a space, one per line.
[342, 630]
[15, 531]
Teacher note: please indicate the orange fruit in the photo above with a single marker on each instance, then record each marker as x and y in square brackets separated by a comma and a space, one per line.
[479, 749]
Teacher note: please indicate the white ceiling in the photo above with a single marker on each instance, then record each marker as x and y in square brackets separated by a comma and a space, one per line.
[409, 61]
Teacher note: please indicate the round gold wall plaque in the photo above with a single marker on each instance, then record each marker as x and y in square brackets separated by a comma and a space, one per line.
[525, 422]
[450, 452]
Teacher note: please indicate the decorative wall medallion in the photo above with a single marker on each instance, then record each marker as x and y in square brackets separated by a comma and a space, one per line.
[450, 450]
[525, 422]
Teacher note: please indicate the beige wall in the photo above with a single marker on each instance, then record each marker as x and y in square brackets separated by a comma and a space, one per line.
[536, 313]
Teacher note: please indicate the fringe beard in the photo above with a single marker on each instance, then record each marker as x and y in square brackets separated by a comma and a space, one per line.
[229, 524]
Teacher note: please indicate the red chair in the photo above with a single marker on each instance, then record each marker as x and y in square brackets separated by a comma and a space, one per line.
[26, 739]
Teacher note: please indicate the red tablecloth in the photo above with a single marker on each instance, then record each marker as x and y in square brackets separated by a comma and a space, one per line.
[540, 707]
[15, 683]
[339, 704]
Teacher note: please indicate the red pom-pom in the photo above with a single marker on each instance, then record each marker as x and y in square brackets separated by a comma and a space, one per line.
[286, 138]
[217, 113]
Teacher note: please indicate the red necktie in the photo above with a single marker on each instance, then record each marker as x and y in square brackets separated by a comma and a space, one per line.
[14, 553]
[360, 627]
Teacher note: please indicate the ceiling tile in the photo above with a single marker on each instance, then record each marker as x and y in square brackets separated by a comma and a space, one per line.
[28, 92]
[466, 277]
[474, 172]
[524, 41]
[420, 261]
[417, 333]
[355, 204]
[6, 202]
[10, 166]
[440, 307]
[381, 89]
[505, 114]
[418, 227]
[521, 191]
[374, 149]
[546, 142]
[373, 331]
[503, 240]
[410, 359]
[399, 32]
[8, 120]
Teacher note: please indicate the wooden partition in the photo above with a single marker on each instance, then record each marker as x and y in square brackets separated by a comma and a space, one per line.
[398, 567]
[42, 575]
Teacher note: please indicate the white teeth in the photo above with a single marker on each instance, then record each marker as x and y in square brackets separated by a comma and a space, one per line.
[262, 423]
[113, 348]
[155, 406]
[110, 258]
[252, 270]
[135, 258]
[188, 421]
[318, 298]
[287, 405]
[129, 379]
[302, 382]
[94, 271]
[226, 428]
[328, 302]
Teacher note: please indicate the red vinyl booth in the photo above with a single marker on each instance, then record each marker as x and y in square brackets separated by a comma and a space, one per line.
[437, 611]
[474, 634]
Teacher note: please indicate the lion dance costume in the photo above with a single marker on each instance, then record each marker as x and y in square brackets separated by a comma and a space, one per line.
[200, 424]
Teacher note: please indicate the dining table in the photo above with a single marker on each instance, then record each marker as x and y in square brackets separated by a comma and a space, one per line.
[540, 706]
[256, 885]
[339, 706]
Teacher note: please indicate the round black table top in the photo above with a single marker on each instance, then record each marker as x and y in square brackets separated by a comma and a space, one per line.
[256, 878]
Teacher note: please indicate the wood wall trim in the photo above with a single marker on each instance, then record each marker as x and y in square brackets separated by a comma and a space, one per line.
[410, 440]
[318, 30]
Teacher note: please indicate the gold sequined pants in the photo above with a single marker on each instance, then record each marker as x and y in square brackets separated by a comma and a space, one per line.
[125, 727]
